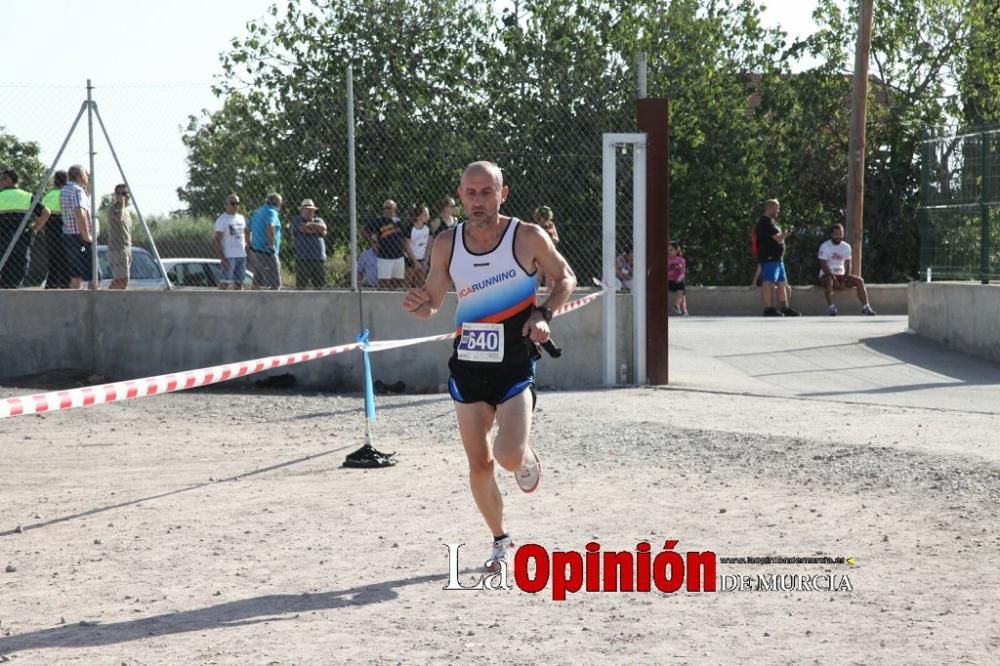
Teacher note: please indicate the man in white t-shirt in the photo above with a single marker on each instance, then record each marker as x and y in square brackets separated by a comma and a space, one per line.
[231, 244]
[835, 270]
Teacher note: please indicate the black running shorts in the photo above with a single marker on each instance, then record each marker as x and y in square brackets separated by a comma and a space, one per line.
[493, 386]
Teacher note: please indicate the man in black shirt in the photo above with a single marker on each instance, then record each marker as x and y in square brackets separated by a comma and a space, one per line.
[385, 235]
[770, 254]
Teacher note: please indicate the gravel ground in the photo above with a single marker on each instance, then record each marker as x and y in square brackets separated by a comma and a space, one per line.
[219, 528]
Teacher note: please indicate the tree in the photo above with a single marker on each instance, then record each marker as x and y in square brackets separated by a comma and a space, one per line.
[441, 82]
[22, 156]
[438, 83]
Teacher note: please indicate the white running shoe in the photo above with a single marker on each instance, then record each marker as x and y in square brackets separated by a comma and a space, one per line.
[530, 473]
[501, 551]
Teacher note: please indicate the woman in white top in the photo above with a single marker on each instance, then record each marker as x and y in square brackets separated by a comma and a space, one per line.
[445, 220]
[419, 236]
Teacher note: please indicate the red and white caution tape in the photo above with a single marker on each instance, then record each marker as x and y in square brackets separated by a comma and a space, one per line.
[89, 396]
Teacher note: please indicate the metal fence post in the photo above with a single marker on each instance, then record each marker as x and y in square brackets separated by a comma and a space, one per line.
[95, 205]
[923, 218]
[984, 212]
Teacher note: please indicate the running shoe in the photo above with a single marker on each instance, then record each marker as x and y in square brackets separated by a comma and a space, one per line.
[868, 311]
[501, 551]
[791, 312]
[771, 312]
[530, 473]
[833, 310]
[677, 310]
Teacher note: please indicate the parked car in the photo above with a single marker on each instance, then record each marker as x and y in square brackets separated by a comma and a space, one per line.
[198, 272]
[143, 273]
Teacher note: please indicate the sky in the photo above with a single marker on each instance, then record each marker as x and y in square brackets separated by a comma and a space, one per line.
[152, 65]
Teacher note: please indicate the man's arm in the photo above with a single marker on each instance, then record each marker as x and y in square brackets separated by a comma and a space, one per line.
[218, 248]
[317, 227]
[559, 276]
[272, 224]
[83, 224]
[42, 217]
[424, 302]
[847, 267]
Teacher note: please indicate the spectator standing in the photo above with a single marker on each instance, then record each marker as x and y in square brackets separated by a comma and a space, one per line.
[770, 254]
[231, 244]
[74, 200]
[420, 235]
[58, 271]
[120, 238]
[445, 220]
[545, 218]
[368, 269]
[835, 271]
[623, 269]
[14, 203]
[309, 233]
[385, 234]
[265, 242]
[676, 272]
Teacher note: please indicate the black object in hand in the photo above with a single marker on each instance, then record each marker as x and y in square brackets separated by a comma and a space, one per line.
[550, 348]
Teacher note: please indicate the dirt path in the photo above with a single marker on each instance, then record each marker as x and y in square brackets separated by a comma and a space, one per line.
[214, 528]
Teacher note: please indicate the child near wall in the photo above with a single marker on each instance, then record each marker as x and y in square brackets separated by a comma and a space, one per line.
[676, 270]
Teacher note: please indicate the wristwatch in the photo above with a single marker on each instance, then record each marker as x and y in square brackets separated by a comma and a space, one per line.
[546, 312]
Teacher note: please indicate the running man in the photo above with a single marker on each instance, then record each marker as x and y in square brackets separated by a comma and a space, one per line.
[494, 262]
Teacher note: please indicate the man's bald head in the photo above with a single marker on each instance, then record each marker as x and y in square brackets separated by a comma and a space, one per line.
[482, 192]
[484, 167]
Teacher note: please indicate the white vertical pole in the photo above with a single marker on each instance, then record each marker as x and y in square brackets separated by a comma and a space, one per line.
[608, 256]
[95, 223]
[639, 262]
[352, 203]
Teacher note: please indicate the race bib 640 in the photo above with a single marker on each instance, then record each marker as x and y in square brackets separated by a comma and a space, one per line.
[481, 342]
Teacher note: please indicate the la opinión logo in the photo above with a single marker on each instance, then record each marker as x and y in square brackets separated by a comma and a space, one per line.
[593, 570]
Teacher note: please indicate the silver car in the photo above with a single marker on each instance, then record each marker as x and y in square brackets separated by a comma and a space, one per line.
[198, 272]
[143, 273]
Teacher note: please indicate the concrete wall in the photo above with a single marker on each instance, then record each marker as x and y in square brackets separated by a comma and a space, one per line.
[961, 315]
[887, 299]
[124, 335]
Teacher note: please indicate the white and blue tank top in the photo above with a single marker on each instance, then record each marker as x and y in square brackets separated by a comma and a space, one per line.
[493, 288]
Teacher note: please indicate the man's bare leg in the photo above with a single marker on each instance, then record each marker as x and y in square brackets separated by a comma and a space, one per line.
[767, 294]
[859, 285]
[475, 420]
[514, 427]
[828, 289]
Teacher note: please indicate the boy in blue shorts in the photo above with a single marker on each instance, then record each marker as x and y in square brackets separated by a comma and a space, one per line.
[770, 254]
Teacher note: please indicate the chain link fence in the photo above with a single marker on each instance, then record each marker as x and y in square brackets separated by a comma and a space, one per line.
[959, 211]
[180, 167]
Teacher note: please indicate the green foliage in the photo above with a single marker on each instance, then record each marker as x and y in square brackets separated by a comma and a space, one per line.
[438, 83]
[22, 156]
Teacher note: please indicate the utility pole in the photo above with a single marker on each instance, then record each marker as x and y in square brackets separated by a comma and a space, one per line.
[856, 143]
